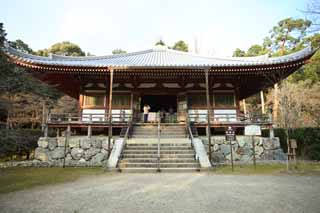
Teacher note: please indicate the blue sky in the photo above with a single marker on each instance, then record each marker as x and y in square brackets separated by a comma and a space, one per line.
[98, 27]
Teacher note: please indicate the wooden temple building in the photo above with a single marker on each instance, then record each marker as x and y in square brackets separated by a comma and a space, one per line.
[113, 89]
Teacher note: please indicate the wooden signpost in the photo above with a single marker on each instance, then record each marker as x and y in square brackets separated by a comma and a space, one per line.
[230, 136]
[253, 130]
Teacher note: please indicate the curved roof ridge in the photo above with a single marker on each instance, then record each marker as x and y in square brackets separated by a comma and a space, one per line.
[247, 58]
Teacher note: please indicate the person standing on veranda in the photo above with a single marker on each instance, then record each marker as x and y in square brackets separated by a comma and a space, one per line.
[146, 109]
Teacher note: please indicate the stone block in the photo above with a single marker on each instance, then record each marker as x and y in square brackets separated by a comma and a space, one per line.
[43, 142]
[258, 150]
[89, 153]
[85, 143]
[41, 154]
[77, 153]
[97, 143]
[97, 159]
[246, 158]
[82, 162]
[217, 157]
[74, 142]
[52, 144]
[58, 153]
[225, 149]
[216, 147]
[271, 143]
[61, 141]
[267, 155]
[241, 142]
[279, 155]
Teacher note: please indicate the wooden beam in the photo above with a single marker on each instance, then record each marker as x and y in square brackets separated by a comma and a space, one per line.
[208, 111]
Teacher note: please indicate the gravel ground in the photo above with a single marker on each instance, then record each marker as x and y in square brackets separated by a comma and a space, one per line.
[189, 192]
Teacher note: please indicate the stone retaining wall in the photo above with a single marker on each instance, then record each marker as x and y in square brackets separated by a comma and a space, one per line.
[265, 149]
[80, 150]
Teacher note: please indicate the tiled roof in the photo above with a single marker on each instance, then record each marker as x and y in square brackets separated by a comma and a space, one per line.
[156, 58]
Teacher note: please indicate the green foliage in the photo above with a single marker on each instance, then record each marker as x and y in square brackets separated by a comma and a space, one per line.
[160, 42]
[118, 51]
[20, 45]
[3, 35]
[308, 140]
[181, 46]
[256, 50]
[64, 48]
[287, 35]
[239, 53]
[18, 141]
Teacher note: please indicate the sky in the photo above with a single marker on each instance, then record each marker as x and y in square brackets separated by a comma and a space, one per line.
[99, 26]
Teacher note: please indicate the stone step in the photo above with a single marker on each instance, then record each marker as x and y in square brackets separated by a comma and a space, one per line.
[155, 165]
[161, 148]
[155, 155]
[156, 145]
[155, 160]
[154, 170]
[162, 136]
[145, 151]
[155, 140]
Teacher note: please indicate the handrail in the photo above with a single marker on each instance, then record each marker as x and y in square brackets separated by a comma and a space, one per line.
[89, 118]
[125, 138]
[191, 136]
[227, 117]
[159, 135]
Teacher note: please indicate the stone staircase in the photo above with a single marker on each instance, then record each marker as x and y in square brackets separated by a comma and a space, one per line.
[141, 151]
[167, 131]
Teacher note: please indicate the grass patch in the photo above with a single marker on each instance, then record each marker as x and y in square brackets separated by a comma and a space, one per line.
[14, 179]
[270, 169]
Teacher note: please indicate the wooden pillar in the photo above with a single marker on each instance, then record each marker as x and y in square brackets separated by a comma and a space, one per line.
[81, 99]
[276, 103]
[244, 106]
[208, 112]
[262, 102]
[110, 112]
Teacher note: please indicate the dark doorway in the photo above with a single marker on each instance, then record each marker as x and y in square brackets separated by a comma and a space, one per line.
[156, 102]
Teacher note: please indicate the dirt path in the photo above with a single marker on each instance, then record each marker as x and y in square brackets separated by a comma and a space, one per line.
[195, 192]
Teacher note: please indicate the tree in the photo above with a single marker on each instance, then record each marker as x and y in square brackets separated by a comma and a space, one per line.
[256, 50]
[20, 45]
[181, 46]
[64, 48]
[239, 53]
[313, 11]
[160, 43]
[118, 51]
[287, 35]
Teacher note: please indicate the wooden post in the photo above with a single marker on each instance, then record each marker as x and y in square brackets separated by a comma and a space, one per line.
[43, 125]
[65, 144]
[110, 112]
[276, 103]
[244, 106]
[89, 131]
[208, 111]
[254, 152]
[231, 152]
[262, 102]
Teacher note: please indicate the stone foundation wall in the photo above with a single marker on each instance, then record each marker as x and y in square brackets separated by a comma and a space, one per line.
[80, 150]
[266, 149]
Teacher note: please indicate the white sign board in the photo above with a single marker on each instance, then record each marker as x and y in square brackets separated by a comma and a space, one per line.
[252, 130]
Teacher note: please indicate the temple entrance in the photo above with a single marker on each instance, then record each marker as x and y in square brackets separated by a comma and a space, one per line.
[157, 102]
